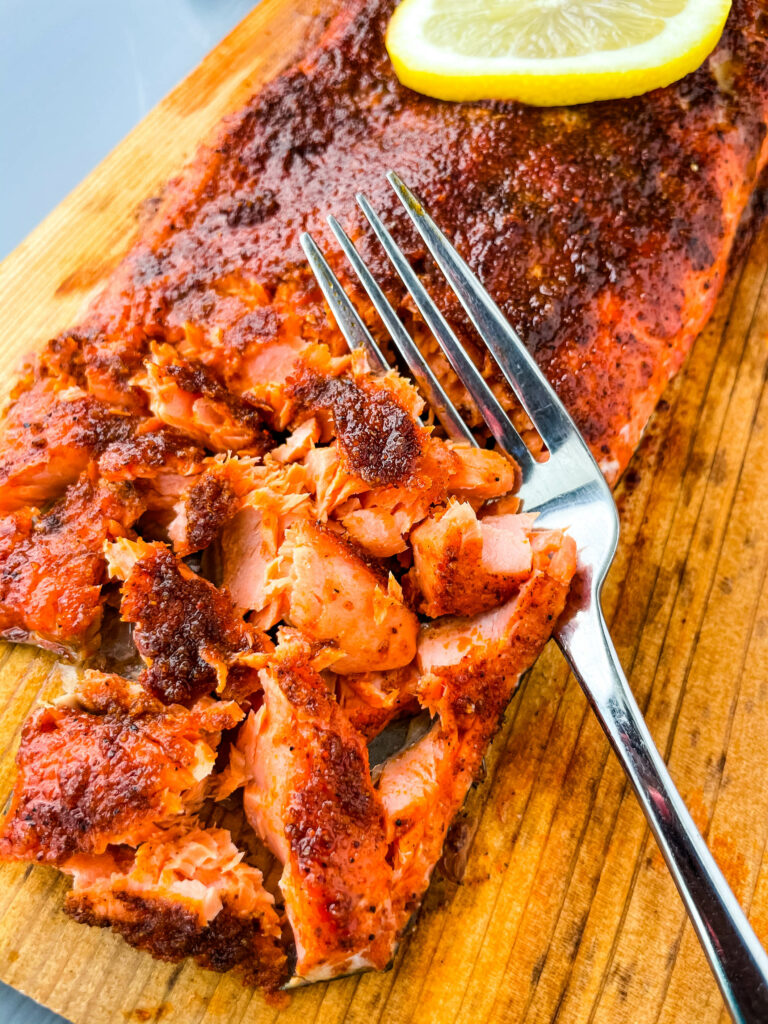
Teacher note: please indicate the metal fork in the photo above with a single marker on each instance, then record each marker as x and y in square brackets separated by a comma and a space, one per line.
[568, 491]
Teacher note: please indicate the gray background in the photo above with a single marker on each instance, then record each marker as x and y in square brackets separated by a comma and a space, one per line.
[75, 76]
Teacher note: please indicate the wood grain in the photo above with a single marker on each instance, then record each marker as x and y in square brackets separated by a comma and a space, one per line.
[566, 912]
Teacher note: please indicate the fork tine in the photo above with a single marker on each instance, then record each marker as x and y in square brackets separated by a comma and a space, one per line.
[532, 389]
[491, 410]
[435, 394]
[351, 326]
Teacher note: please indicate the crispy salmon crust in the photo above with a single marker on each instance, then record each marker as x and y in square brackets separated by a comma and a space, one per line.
[185, 629]
[170, 932]
[378, 439]
[184, 894]
[107, 769]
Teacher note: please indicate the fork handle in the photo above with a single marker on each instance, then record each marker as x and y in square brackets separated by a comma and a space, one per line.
[735, 955]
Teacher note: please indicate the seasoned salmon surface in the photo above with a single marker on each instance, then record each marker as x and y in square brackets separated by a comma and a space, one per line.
[109, 765]
[285, 606]
[602, 230]
[294, 604]
[185, 892]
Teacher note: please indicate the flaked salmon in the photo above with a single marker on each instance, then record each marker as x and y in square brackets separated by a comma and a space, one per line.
[186, 631]
[107, 766]
[188, 397]
[328, 589]
[291, 534]
[464, 565]
[52, 569]
[309, 795]
[184, 893]
[51, 433]
[468, 668]
[371, 700]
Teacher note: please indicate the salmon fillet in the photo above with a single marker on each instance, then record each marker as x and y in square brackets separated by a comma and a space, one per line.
[301, 560]
[603, 230]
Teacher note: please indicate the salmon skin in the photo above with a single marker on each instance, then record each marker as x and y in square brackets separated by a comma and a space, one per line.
[298, 557]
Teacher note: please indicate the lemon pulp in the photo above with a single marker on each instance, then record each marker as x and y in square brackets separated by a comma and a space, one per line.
[550, 51]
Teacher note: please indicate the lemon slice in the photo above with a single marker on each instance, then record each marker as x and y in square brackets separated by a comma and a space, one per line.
[550, 52]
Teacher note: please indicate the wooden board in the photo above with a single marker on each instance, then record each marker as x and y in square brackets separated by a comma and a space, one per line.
[566, 912]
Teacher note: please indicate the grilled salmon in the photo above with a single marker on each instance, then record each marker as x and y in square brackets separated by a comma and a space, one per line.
[185, 629]
[603, 230]
[183, 893]
[188, 397]
[52, 569]
[52, 432]
[371, 700]
[202, 451]
[109, 765]
[357, 856]
[330, 589]
[309, 795]
[468, 668]
[465, 565]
